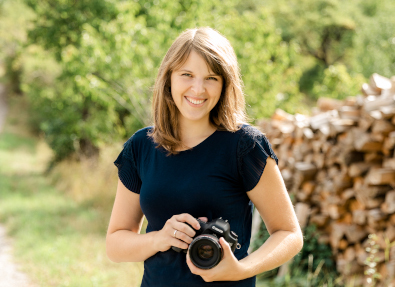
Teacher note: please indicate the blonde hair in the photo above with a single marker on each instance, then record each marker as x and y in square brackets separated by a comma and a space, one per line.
[217, 51]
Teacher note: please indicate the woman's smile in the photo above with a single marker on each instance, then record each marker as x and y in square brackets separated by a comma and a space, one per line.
[195, 89]
[195, 102]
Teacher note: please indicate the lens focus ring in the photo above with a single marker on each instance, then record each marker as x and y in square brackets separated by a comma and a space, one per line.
[205, 251]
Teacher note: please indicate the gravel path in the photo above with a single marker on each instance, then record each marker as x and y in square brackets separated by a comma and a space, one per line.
[10, 276]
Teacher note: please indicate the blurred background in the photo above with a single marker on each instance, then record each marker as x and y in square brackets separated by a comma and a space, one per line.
[75, 83]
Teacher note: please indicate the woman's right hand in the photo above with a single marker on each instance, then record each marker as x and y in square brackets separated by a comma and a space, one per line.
[165, 239]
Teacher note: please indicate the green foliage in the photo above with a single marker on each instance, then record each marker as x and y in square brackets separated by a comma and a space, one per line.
[324, 29]
[371, 272]
[332, 33]
[320, 252]
[60, 22]
[337, 83]
[107, 64]
[374, 44]
[267, 63]
[56, 241]
[89, 66]
[14, 18]
[72, 110]
[314, 263]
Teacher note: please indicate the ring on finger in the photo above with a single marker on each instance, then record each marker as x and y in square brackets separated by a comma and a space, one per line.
[174, 234]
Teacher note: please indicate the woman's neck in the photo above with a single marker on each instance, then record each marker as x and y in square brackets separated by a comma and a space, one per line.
[193, 133]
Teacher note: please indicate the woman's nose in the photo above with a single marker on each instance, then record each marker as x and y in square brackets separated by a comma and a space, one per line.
[198, 87]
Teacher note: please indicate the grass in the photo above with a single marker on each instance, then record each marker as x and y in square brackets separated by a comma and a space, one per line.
[58, 236]
[313, 278]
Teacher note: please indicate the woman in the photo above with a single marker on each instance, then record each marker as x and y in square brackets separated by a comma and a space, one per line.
[199, 160]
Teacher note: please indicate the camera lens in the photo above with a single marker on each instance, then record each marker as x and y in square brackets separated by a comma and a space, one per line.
[205, 251]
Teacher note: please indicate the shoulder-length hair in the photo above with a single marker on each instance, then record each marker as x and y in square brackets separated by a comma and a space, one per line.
[216, 50]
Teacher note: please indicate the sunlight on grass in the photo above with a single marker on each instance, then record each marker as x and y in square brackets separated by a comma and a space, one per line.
[58, 237]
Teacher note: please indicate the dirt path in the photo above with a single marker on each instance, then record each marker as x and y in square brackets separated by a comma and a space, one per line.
[3, 107]
[10, 276]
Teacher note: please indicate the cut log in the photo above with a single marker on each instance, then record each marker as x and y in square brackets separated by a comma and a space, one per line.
[327, 104]
[373, 157]
[350, 254]
[302, 211]
[388, 206]
[361, 168]
[364, 142]
[379, 83]
[319, 220]
[355, 233]
[380, 176]
[367, 90]
[323, 119]
[359, 217]
[337, 232]
[374, 103]
[350, 112]
[387, 112]
[390, 140]
[282, 115]
[339, 167]
[383, 127]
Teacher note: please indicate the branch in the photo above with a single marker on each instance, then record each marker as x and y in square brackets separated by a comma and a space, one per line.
[119, 89]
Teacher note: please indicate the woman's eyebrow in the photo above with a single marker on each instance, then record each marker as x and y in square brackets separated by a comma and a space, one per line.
[184, 70]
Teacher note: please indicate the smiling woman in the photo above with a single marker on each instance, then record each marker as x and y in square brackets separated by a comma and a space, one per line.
[200, 162]
[195, 90]
[196, 59]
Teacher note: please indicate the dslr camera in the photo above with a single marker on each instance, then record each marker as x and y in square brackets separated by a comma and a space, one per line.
[205, 250]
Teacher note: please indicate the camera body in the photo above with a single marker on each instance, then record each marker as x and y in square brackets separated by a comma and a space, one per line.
[205, 250]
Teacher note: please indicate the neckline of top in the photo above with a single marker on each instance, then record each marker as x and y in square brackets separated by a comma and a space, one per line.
[199, 144]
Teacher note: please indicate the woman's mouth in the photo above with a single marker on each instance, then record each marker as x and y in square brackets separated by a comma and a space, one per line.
[195, 102]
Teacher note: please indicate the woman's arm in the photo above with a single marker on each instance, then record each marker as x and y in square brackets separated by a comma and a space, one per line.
[275, 207]
[271, 199]
[123, 241]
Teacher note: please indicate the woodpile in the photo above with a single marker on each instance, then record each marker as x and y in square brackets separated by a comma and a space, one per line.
[339, 167]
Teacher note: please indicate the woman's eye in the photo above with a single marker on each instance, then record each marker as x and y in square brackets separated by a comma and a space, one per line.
[189, 75]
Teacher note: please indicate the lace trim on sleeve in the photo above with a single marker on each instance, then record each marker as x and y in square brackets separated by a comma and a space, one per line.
[253, 151]
[127, 171]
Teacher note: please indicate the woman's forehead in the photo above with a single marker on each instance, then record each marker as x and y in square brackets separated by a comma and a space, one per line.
[194, 62]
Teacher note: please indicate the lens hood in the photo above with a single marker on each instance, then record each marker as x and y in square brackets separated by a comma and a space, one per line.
[205, 251]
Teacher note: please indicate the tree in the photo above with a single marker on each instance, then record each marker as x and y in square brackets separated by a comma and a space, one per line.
[108, 56]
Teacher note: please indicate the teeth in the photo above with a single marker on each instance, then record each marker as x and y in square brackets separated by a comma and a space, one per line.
[194, 101]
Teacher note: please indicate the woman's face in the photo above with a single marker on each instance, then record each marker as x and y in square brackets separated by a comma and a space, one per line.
[195, 89]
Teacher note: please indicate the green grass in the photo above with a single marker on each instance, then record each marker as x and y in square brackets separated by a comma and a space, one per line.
[57, 241]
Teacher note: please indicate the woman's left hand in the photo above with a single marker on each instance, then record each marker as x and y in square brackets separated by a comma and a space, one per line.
[228, 269]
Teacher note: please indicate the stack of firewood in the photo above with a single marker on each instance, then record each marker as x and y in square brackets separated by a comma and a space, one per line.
[339, 166]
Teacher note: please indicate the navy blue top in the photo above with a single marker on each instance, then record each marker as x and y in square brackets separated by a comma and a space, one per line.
[210, 180]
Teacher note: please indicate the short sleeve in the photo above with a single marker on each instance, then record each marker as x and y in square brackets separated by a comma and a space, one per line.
[252, 152]
[127, 170]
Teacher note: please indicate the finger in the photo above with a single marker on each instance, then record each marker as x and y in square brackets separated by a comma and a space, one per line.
[225, 247]
[178, 243]
[184, 228]
[184, 237]
[205, 219]
[185, 217]
[192, 267]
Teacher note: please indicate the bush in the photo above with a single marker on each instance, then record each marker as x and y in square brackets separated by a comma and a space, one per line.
[314, 263]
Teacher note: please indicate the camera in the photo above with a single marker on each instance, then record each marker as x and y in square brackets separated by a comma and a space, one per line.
[205, 250]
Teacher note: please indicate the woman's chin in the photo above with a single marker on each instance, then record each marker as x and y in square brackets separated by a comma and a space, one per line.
[195, 118]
